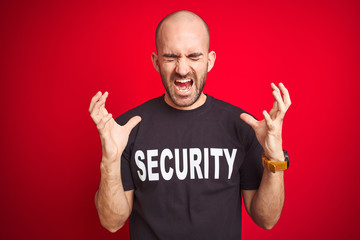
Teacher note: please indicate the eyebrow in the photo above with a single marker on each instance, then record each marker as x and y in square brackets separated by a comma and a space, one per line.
[170, 55]
[194, 55]
[191, 55]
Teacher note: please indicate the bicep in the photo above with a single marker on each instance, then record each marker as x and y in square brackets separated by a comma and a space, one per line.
[248, 196]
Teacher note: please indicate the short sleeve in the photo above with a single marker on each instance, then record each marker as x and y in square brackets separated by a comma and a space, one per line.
[126, 176]
[251, 170]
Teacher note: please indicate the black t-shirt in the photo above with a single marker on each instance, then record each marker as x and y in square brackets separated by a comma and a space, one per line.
[187, 169]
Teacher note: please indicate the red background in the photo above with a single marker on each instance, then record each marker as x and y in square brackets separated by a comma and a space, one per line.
[56, 55]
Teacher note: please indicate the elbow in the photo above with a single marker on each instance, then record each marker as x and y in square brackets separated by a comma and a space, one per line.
[111, 224]
[268, 225]
[110, 220]
[112, 227]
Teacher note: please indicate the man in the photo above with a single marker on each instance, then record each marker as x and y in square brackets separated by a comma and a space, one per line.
[177, 165]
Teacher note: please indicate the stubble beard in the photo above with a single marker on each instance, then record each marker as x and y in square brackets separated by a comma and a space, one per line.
[198, 91]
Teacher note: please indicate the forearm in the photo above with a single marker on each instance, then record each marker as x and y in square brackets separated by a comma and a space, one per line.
[268, 200]
[110, 199]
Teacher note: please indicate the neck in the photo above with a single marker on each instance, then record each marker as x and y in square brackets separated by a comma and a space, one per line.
[201, 100]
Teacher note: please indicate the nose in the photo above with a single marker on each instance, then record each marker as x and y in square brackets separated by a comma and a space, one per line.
[182, 67]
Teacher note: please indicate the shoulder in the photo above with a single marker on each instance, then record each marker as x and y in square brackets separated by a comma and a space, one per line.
[225, 109]
[225, 106]
[229, 114]
[140, 110]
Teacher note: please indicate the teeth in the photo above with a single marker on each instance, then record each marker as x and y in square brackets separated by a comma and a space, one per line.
[183, 80]
[183, 88]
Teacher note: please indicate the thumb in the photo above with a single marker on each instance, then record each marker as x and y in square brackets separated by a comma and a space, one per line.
[248, 119]
[132, 123]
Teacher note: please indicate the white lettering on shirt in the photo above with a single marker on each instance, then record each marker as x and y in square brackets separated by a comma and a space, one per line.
[217, 153]
[152, 164]
[230, 160]
[198, 161]
[181, 174]
[166, 153]
[139, 155]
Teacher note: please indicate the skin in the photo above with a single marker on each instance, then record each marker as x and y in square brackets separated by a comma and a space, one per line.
[265, 204]
[113, 204]
[183, 55]
[183, 44]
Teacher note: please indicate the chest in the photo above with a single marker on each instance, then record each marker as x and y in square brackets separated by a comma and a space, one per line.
[186, 151]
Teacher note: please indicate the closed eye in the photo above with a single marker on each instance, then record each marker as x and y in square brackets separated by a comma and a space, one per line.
[170, 57]
[195, 56]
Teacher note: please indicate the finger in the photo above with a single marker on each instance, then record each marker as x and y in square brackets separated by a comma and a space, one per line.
[105, 95]
[103, 110]
[95, 112]
[286, 95]
[280, 103]
[100, 104]
[103, 121]
[268, 120]
[99, 111]
[249, 119]
[274, 110]
[94, 99]
[275, 88]
[102, 107]
[132, 123]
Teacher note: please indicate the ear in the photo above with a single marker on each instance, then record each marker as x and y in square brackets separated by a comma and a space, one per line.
[211, 60]
[155, 61]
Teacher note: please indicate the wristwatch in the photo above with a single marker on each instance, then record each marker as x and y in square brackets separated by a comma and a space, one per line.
[276, 166]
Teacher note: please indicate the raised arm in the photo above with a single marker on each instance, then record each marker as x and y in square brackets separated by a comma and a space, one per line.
[265, 204]
[113, 204]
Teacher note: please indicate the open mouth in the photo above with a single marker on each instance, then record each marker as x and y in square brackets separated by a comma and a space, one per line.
[183, 85]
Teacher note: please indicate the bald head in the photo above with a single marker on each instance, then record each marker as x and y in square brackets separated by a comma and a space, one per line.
[179, 20]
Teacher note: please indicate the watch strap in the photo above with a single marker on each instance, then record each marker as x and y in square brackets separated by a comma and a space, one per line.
[275, 166]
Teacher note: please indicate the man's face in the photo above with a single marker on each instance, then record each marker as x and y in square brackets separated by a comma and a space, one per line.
[183, 60]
